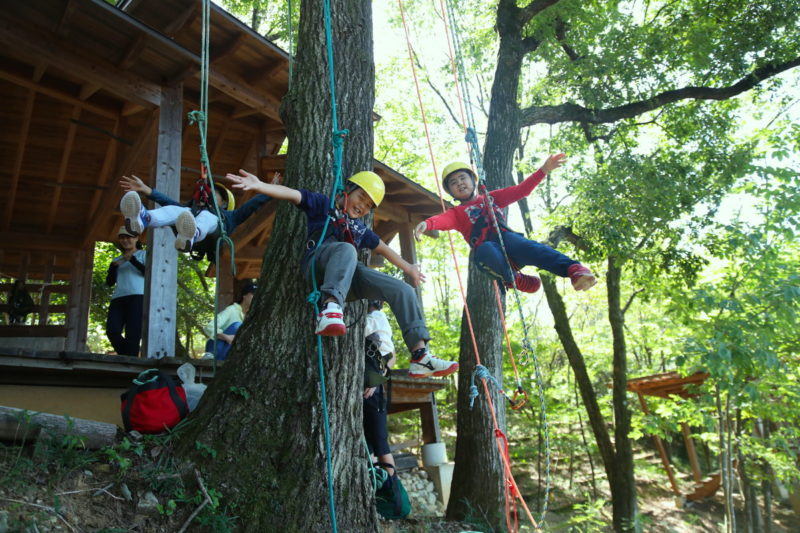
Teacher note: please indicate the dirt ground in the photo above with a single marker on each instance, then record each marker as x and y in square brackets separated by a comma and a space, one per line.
[135, 487]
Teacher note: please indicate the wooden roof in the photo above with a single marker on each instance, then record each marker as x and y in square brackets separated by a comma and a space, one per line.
[667, 384]
[81, 85]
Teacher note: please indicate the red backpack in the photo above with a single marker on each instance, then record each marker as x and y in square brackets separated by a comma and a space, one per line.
[154, 403]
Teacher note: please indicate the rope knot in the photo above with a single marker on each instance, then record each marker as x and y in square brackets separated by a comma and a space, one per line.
[313, 297]
[196, 117]
[338, 137]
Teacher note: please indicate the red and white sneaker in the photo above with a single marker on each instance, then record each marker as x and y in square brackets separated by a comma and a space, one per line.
[425, 365]
[329, 322]
[525, 282]
[581, 277]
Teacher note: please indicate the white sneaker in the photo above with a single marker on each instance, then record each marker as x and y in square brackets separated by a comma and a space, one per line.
[207, 355]
[186, 227]
[429, 366]
[330, 321]
[131, 207]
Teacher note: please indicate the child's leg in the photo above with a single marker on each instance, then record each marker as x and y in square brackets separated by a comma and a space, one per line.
[335, 262]
[165, 216]
[524, 252]
[401, 297]
[115, 323]
[207, 223]
[489, 258]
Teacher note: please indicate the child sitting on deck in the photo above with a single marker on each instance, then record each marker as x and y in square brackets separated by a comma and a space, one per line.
[193, 222]
[474, 221]
[337, 262]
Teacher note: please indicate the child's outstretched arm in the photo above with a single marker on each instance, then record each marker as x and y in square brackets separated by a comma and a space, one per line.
[134, 183]
[412, 271]
[250, 182]
[509, 195]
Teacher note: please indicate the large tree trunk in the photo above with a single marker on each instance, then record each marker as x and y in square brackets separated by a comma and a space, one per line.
[263, 416]
[623, 490]
[477, 488]
[476, 455]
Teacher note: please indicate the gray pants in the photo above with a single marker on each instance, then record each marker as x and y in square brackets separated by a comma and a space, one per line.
[343, 277]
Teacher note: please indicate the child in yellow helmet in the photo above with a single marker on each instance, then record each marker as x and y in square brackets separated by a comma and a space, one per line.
[474, 220]
[193, 221]
[342, 274]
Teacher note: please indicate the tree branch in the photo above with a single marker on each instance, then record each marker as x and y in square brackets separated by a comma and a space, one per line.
[630, 300]
[570, 112]
[534, 8]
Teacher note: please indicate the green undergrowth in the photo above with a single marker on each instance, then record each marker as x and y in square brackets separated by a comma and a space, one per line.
[55, 483]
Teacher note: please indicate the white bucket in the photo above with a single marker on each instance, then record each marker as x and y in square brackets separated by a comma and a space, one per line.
[434, 454]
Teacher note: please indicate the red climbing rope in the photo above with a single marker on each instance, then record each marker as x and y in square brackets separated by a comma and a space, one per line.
[502, 443]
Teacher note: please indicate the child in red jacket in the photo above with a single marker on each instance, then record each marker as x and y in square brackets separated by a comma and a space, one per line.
[474, 221]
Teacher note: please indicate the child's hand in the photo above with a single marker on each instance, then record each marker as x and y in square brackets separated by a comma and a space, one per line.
[369, 392]
[421, 228]
[416, 275]
[276, 178]
[553, 162]
[134, 183]
[244, 181]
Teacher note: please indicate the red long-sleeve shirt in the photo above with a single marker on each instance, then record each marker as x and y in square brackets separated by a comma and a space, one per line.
[464, 216]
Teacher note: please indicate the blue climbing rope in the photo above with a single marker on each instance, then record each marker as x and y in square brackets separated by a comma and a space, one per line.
[471, 138]
[313, 298]
[200, 117]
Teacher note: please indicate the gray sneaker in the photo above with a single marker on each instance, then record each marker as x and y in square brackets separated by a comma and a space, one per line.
[131, 207]
[186, 227]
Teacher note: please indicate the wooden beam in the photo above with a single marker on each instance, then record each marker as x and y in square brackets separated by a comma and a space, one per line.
[104, 176]
[268, 71]
[408, 251]
[63, 24]
[133, 52]
[17, 240]
[58, 95]
[227, 49]
[182, 20]
[59, 52]
[17, 168]
[662, 452]
[62, 168]
[161, 280]
[691, 452]
[105, 208]
[87, 90]
[429, 419]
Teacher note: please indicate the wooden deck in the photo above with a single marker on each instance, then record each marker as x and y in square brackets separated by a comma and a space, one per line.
[87, 385]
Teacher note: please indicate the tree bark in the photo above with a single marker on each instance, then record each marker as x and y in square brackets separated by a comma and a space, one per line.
[263, 416]
[623, 490]
[477, 488]
[478, 474]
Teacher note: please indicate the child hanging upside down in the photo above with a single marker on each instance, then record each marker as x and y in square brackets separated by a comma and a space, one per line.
[193, 221]
[474, 221]
[343, 275]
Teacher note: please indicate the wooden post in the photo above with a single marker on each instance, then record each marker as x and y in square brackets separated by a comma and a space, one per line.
[661, 450]
[691, 452]
[429, 416]
[44, 299]
[228, 286]
[161, 275]
[408, 251]
[80, 295]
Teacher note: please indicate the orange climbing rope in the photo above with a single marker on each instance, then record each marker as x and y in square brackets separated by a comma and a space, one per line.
[501, 441]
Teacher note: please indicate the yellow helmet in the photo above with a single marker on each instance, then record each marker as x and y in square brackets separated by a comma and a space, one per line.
[371, 183]
[454, 167]
[226, 195]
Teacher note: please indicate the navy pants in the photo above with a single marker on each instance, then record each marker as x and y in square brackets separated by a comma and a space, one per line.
[219, 347]
[375, 429]
[125, 313]
[522, 252]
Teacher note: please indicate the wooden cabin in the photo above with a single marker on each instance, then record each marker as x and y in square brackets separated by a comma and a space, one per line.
[92, 92]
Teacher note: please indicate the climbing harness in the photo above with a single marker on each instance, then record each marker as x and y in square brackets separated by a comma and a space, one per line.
[200, 117]
[475, 155]
[508, 476]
